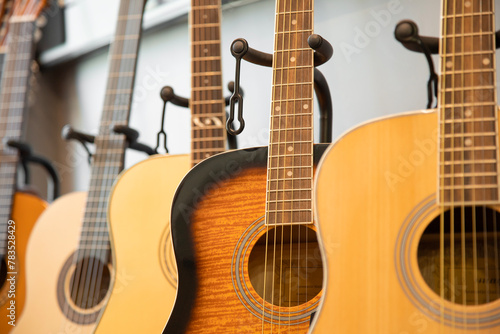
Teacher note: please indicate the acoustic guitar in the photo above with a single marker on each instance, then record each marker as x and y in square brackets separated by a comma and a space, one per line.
[242, 221]
[139, 206]
[18, 210]
[411, 233]
[68, 256]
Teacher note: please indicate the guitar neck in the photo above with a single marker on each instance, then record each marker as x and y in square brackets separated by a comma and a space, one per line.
[208, 133]
[14, 90]
[290, 164]
[468, 106]
[110, 147]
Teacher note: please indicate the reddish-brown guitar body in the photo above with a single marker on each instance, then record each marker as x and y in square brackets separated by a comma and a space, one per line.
[215, 207]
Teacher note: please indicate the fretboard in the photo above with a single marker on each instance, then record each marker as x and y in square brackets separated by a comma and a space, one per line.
[468, 106]
[208, 132]
[13, 99]
[110, 147]
[290, 162]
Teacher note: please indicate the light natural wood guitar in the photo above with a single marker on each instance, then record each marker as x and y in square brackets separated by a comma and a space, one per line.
[242, 223]
[411, 230]
[139, 208]
[68, 256]
[18, 211]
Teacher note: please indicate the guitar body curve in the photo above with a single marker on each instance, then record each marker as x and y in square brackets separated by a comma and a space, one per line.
[144, 288]
[370, 227]
[52, 243]
[218, 204]
[25, 211]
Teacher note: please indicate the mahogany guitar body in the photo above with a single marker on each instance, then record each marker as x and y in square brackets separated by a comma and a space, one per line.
[217, 221]
[145, 283]
[25, 212]
[49, 262]
[370, 230]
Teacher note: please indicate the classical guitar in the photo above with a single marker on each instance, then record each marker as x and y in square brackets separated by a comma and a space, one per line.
[68, 255]
[18, 211]
[411, 233]
[242, 221]
[139, 205]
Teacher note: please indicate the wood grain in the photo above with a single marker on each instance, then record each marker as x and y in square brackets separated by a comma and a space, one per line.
[220, 219]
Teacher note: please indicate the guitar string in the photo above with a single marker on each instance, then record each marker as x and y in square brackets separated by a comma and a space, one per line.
[495, 112]
[278, 223]
[472, 153]
[443, 47]
[8, 170]
[7, 185]
[274, 105]
[12, 131]
[91, 257]
[111, 169]
[285, 54]
[298, 26]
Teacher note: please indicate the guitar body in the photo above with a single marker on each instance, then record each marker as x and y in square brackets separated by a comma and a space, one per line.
[145, 283]
[48, 260]
[25, 212]
[370, 226]
[217, 220]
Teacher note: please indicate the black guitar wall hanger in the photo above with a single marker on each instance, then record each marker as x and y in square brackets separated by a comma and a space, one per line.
[68, 133]
[26, 157]
[323, 52]
[406, 32]
[167, 94]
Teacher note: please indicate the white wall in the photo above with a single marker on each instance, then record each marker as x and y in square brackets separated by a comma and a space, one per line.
[370, 75]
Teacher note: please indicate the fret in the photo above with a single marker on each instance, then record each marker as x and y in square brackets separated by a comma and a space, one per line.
[204, 102]
[203, 7]
[207, 139]
[305, 11]
[470, 162]
[465, 149]
[206, 41]
[468, 88]
[451, 16]
[473, 186]
[206, 88]
[204, 25]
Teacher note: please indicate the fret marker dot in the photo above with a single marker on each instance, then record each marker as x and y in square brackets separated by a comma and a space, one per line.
[277, 108]
[205, 50]
[290, 148]
[449, 64]
[207, 155]
[306, 106]
[206, 81]
[292, 59]
[468, 113]
[294, 22]
[486, 61]
[205, 16]
[207, 121]
[289, 173]
[468, 142]
[467, 3]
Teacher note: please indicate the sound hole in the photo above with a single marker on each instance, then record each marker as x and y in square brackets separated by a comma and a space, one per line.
[471, 262]
[89, 283]
[293, 272]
